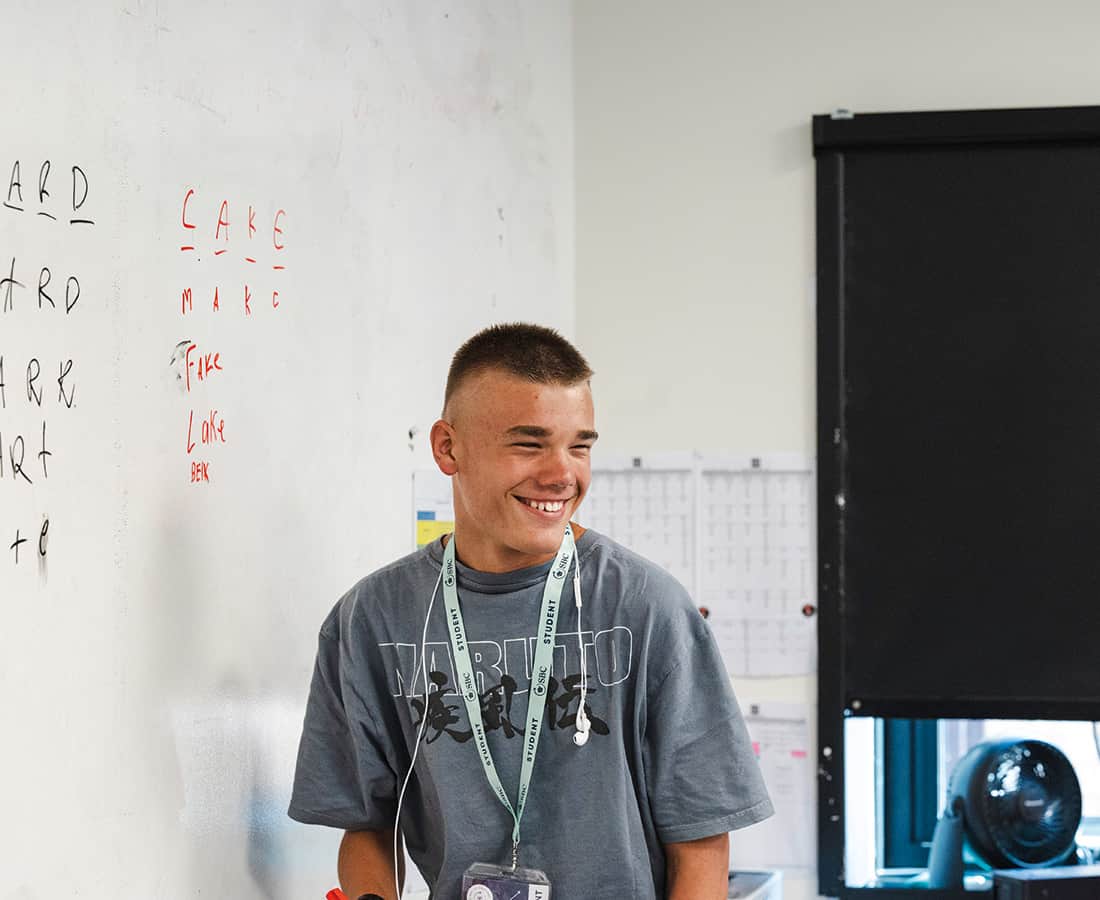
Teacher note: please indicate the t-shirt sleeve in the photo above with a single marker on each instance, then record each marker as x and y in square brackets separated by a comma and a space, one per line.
[342, 778]
[703, 774]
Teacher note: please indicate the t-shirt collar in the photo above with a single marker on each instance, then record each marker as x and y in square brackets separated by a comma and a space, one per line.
[502, 582]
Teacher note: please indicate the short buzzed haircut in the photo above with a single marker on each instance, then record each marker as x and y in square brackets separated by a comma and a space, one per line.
[533, 352]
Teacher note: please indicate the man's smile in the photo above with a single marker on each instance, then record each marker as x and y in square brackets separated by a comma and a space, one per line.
[550, 507]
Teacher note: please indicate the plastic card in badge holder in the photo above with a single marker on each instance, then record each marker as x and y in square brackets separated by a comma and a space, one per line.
[484, 881]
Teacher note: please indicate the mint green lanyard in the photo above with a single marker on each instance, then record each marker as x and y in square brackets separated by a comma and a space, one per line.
[540, 677]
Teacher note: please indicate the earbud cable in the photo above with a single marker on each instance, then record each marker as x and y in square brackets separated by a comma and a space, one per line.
[582, 716]
[419, 734]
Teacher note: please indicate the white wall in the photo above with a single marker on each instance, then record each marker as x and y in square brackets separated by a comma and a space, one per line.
[695, 191]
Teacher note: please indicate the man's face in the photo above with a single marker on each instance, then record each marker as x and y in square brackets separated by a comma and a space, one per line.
[510, 444]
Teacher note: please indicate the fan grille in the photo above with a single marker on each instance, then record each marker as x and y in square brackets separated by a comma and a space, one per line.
[1030, 802]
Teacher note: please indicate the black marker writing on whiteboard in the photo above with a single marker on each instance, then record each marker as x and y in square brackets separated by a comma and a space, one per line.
[15, 190]
[20, 541]
[65, 368]
[13, 460]
[16, 543]
[35, 285]
[13, 457]
[7, 284]
[43, 453]
[81, 189]
[43, 280]
[34, 369]
[18, 447]
[46, 300]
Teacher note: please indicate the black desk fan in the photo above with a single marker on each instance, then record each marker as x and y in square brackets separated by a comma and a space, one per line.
[1011, 804]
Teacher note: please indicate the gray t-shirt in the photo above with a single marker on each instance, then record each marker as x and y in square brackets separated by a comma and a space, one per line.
[668, 758]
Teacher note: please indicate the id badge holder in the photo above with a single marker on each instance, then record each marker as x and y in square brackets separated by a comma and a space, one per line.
[484, 881]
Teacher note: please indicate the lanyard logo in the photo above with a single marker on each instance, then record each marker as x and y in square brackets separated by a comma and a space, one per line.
[539, 686]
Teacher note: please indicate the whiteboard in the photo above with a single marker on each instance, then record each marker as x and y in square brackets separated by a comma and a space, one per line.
[368, 184]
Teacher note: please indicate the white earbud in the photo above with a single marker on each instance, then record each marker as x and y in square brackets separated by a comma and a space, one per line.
[583, 725]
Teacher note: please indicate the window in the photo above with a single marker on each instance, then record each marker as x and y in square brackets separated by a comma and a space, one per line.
[896, 777]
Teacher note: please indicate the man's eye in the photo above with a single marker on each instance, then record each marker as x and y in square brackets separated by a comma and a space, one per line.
[526, 445]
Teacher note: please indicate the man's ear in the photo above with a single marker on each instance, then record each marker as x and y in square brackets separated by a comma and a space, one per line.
[443, 445]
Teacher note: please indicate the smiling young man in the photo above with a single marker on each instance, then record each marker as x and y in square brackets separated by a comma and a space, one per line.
[612, 718]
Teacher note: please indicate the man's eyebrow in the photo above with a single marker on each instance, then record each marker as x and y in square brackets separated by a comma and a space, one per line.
[537, 431]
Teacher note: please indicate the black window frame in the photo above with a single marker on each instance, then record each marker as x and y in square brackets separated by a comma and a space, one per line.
[833, 136]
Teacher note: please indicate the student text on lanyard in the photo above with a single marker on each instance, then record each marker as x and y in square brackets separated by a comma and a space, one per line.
[540, 676]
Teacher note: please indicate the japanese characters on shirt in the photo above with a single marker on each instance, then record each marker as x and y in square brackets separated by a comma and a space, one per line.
[502, 669]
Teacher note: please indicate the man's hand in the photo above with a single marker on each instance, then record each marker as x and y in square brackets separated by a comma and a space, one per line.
[365, 864]
[699, 870]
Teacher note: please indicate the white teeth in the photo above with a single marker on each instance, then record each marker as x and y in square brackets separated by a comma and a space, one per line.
[546, 506]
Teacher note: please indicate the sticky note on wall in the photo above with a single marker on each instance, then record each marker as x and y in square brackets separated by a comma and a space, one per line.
[428, 530]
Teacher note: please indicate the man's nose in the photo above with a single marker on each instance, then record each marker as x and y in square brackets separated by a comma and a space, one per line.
[556, 472]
